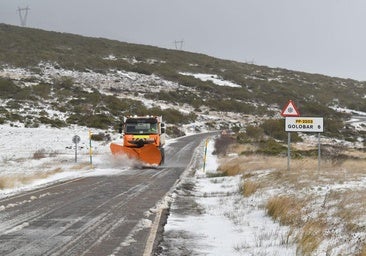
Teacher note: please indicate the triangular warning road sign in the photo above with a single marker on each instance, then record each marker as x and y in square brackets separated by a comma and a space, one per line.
[290, 109]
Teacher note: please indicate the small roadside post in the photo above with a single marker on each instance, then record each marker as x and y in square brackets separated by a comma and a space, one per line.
[76, 140]
[90, 149]
[290, 110]
[205, 156]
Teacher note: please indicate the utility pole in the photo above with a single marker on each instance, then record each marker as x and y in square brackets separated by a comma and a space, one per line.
[23, 16]
[178, 44]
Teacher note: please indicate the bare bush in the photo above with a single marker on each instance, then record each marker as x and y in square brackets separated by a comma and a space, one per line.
[101, 137]
[222, 144]
[39, 154]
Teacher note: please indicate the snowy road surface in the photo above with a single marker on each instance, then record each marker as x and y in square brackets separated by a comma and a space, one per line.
[100, 215]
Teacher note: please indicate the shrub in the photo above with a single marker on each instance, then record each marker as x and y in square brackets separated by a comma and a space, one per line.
[333, 127]
[271, 147]
[64, 82]
[172, 116]
[8, 89]
[42, 90]
[275, 128]
[254, 132]
[101, 137]
[12, 104]
[242, 138]
[174, 131]
[251, 134]
[39, 154]
[14, 117]
[101, 121]
[53, 122]
[222, 144]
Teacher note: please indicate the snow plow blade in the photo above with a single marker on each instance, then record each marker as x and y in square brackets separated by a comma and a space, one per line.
[148, 154]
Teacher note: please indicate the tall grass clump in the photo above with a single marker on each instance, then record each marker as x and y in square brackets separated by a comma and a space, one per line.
[311, 236]
[363, 251]
[249, 187]
[285, 209]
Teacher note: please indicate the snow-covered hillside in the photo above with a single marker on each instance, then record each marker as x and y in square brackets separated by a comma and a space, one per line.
[122, 84]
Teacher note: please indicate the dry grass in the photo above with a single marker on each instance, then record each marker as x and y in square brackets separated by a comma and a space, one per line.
[304, 170]
[12, 181]
[363, 251]
[314, 203]
[311, 236]
[285, 209]
[39, 154]
[351, 206]
[81, 166]
[249, 188]
[245, 164]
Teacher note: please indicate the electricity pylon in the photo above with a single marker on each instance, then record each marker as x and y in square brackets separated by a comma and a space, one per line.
[179, 43]
[23, 18]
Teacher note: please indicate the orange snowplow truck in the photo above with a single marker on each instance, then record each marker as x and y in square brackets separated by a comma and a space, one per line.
[143, 139]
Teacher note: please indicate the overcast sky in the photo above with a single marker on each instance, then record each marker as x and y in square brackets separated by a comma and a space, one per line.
[316, 36]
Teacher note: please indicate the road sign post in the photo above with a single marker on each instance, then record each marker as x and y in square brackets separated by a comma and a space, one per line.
[76, 140]
[306, 124]
[288, 150]
[319, 154]
[290, 110]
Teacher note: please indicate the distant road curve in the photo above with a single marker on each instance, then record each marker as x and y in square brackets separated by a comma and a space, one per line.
[104, 215]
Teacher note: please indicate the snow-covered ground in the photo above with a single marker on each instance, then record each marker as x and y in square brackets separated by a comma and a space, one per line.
[213, 78]
[33, 157]
[229, 225]
[210, 216]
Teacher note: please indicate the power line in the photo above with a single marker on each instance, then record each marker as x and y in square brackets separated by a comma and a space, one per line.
[178, 44]
[23, 14]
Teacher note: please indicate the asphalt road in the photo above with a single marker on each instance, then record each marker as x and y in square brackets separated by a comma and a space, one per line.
[104, 215]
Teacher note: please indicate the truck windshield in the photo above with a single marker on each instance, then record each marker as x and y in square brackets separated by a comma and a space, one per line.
[141, 128]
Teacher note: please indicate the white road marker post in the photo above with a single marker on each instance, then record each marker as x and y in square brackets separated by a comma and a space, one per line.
[90, 149]
[205, 157]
